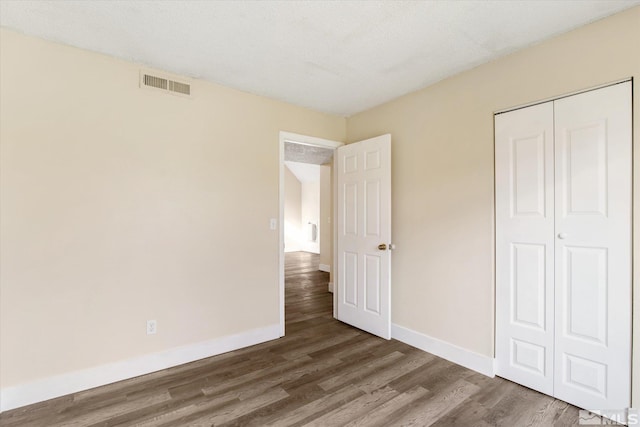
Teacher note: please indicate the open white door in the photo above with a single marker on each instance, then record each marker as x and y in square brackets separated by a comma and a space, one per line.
[363, 172]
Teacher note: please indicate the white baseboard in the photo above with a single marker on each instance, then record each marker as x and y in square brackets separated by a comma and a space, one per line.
[310, 247]
[325, 267]
[453, 353]
[330, 287]
[72, 382]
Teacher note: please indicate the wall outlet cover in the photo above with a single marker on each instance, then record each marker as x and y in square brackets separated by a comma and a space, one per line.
[152, 327]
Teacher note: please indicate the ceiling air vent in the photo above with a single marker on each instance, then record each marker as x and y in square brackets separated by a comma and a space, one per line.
[164, 84]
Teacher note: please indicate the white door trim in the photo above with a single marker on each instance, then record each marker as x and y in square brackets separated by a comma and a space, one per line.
[305, 140]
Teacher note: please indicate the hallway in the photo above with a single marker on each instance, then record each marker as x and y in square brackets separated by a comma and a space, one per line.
[306, 293]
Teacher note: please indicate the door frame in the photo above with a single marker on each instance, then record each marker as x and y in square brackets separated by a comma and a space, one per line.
[313, 142]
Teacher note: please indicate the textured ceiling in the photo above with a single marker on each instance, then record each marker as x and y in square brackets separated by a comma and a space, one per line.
[340, 57]
[303, 153]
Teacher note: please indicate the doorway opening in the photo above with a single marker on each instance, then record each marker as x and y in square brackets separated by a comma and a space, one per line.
[305, 228]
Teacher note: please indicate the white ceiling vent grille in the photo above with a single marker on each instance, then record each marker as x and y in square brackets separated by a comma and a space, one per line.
[164, 84]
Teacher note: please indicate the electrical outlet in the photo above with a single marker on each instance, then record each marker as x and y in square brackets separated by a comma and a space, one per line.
[152, 327]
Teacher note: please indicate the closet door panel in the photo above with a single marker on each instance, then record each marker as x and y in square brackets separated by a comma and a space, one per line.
[524, 246]
[593, 248]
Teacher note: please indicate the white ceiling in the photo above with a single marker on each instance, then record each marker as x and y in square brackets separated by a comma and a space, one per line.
[340, 57]
[305, 172]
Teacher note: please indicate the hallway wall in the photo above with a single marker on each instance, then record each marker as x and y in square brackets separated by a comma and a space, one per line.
[292, 211]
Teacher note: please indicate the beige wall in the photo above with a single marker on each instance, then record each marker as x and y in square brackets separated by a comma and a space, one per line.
[442, 159]
[120, 205]
[311, 211]
[326, 212]
[292, 211]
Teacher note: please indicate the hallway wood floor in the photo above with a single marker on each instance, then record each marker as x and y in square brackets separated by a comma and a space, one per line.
[323, 373]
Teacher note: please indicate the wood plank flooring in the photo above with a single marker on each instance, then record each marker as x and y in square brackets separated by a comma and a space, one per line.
[323, 373]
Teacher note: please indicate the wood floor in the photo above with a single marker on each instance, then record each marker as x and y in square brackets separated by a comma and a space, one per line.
[323, 373]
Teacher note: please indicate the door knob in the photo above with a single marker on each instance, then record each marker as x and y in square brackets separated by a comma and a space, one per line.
[382, 246]
[562, 235]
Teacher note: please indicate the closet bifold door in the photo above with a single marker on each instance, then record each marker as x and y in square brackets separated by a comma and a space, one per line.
[593, 248]
[525, 246]
[563, 247]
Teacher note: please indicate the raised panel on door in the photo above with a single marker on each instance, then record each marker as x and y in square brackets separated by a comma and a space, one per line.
[527, 163]
[585, 285]
[584, 169]
[372, 208]
[350, 279]
[350, 209]
[372, 282]
[524, 246]
[364, 222]
[593, 248]
[528, 271]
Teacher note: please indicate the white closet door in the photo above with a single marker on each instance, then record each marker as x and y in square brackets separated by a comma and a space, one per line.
[524, 246]
[593, 248]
